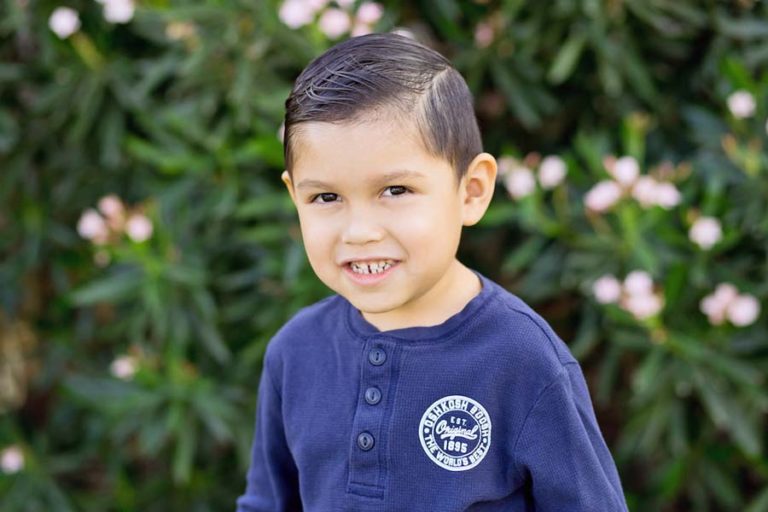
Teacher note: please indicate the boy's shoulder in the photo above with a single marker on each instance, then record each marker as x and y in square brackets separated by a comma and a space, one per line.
[527, 332]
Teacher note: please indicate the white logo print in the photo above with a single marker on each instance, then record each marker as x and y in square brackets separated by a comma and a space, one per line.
[455, 433]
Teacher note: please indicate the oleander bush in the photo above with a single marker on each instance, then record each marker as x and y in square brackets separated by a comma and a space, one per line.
[149, 251]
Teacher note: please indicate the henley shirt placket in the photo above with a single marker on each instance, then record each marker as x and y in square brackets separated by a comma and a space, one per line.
[368, 444]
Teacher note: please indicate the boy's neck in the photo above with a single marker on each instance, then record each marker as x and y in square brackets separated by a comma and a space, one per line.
[448, 297]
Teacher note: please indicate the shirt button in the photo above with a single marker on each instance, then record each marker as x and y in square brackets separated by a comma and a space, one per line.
[377, 356]
[365, 441]
[372, 395]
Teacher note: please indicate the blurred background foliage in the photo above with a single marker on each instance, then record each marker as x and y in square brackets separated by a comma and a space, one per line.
[148, 251]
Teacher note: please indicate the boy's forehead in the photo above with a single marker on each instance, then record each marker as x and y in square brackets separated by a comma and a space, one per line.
[372, 152]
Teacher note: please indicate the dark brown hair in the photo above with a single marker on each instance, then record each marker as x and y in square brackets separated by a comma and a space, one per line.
[392, 74]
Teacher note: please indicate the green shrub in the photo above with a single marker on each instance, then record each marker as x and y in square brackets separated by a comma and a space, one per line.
[149, 250]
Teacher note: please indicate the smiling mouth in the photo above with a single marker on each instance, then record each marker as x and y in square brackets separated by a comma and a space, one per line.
[371, 267]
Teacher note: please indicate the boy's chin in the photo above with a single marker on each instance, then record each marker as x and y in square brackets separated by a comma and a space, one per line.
[372, 306]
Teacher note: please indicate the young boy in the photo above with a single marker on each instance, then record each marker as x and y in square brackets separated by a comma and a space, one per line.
[421, 385]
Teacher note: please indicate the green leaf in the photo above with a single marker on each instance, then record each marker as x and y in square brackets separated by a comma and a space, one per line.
[263, 149]
[587, 335]
[10, 72]
[186, 439]
[264, 206]
[185, 274]
[500, 212]
[516, 95]
[744, 28]
[265, 234]
[167, 160]
[566, 59]
[114, 288]
[524, 254]
[727, 413]
[675, 283]
[213, 342]
[760, 503]
[721, 484]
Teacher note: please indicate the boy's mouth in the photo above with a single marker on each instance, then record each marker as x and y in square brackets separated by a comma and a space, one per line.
[371, 267]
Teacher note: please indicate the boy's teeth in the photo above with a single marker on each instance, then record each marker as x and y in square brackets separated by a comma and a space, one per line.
[374, 267]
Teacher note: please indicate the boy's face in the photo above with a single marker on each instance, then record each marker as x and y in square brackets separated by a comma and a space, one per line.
[381, 218]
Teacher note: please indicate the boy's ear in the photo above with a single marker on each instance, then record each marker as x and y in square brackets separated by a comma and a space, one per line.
[478, 185]
[286, 177]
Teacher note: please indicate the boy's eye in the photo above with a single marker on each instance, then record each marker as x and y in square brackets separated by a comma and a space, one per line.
[395, 190]
[330, 197]
[325, 197]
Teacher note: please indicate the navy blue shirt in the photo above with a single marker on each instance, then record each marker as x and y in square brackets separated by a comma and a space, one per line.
[486, 411]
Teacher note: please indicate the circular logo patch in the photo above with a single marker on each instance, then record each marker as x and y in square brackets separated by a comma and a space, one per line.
[455, 433]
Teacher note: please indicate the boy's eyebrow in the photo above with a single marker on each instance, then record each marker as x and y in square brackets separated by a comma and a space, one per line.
[379, 180]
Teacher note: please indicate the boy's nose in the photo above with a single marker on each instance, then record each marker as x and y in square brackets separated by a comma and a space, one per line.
[361, 228]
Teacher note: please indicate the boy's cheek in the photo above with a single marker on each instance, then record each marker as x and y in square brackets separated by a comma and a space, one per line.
[316, 235]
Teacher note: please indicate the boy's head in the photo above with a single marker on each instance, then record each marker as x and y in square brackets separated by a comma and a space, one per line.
[384, 165]
[387, 75]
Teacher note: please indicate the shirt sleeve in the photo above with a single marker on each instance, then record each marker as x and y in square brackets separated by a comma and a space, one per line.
[561, 452]
[272, 480]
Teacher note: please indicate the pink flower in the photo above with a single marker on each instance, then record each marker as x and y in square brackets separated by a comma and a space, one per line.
[603, 196]
[644, 191]
[111, 206]
[706, 232]
[726, 302]
[643, 306]
[11, 460]
[725, 293]
[625, 170]
[369, 13]
[640, 299]
[92, 226]
[484, 34]
[64, 22]
[138, 228]
[638, 282]
[334, 23]
[552, 172]
[296, 13]
[520, 182]
[506, 164]
[124, 367]
[714, 309]
[667, 195]
[607, 289]
[741, 104]
[118, 11]
[315, 5]
[743, 311]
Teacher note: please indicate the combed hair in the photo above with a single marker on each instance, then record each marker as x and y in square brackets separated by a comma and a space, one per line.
[392, 74]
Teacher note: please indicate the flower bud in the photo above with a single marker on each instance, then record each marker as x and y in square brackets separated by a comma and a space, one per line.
[603, 196]
[64, 22]
[520, 182]
[607, 289]
[741, 104]
[706, 232]
[552, 172]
